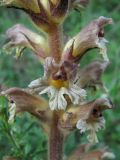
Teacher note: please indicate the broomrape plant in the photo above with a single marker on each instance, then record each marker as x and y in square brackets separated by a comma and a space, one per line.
[65, 84]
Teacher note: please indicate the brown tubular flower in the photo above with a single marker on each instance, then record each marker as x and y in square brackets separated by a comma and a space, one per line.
[83, 152]
[90, 37]
[90, 76]
[20, 37]
[25, 102]
[86, 117]
[44, 13]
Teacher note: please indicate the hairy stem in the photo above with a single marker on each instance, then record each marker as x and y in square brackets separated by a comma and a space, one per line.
[55, 42]
[55, 139]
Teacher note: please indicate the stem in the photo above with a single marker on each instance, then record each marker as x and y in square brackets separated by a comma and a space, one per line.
[55, 42]
[55, 139]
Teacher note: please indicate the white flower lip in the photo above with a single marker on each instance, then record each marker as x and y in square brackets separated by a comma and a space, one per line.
[57, 99]
[93, 127]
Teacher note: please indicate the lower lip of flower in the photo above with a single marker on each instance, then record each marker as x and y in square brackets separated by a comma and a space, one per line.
[59, 83]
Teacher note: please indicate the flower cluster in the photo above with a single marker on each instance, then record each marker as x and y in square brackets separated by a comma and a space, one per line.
[64, 82]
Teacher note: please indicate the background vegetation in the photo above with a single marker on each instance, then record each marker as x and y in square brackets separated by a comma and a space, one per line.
[25, 139]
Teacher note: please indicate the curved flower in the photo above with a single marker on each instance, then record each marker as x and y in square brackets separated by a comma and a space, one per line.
[94, 121]
[22, 101]
[20, 37]
[91, 75]
[92, 36]
[86, 117]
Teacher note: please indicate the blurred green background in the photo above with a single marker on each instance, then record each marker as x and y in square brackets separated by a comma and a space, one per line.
[27, 140]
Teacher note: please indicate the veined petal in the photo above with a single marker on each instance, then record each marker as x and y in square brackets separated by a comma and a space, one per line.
[57, 96]
[20, 37]
[90, 37]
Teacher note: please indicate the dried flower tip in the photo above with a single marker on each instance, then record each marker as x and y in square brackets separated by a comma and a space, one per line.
[12, 112]
[20, 37]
